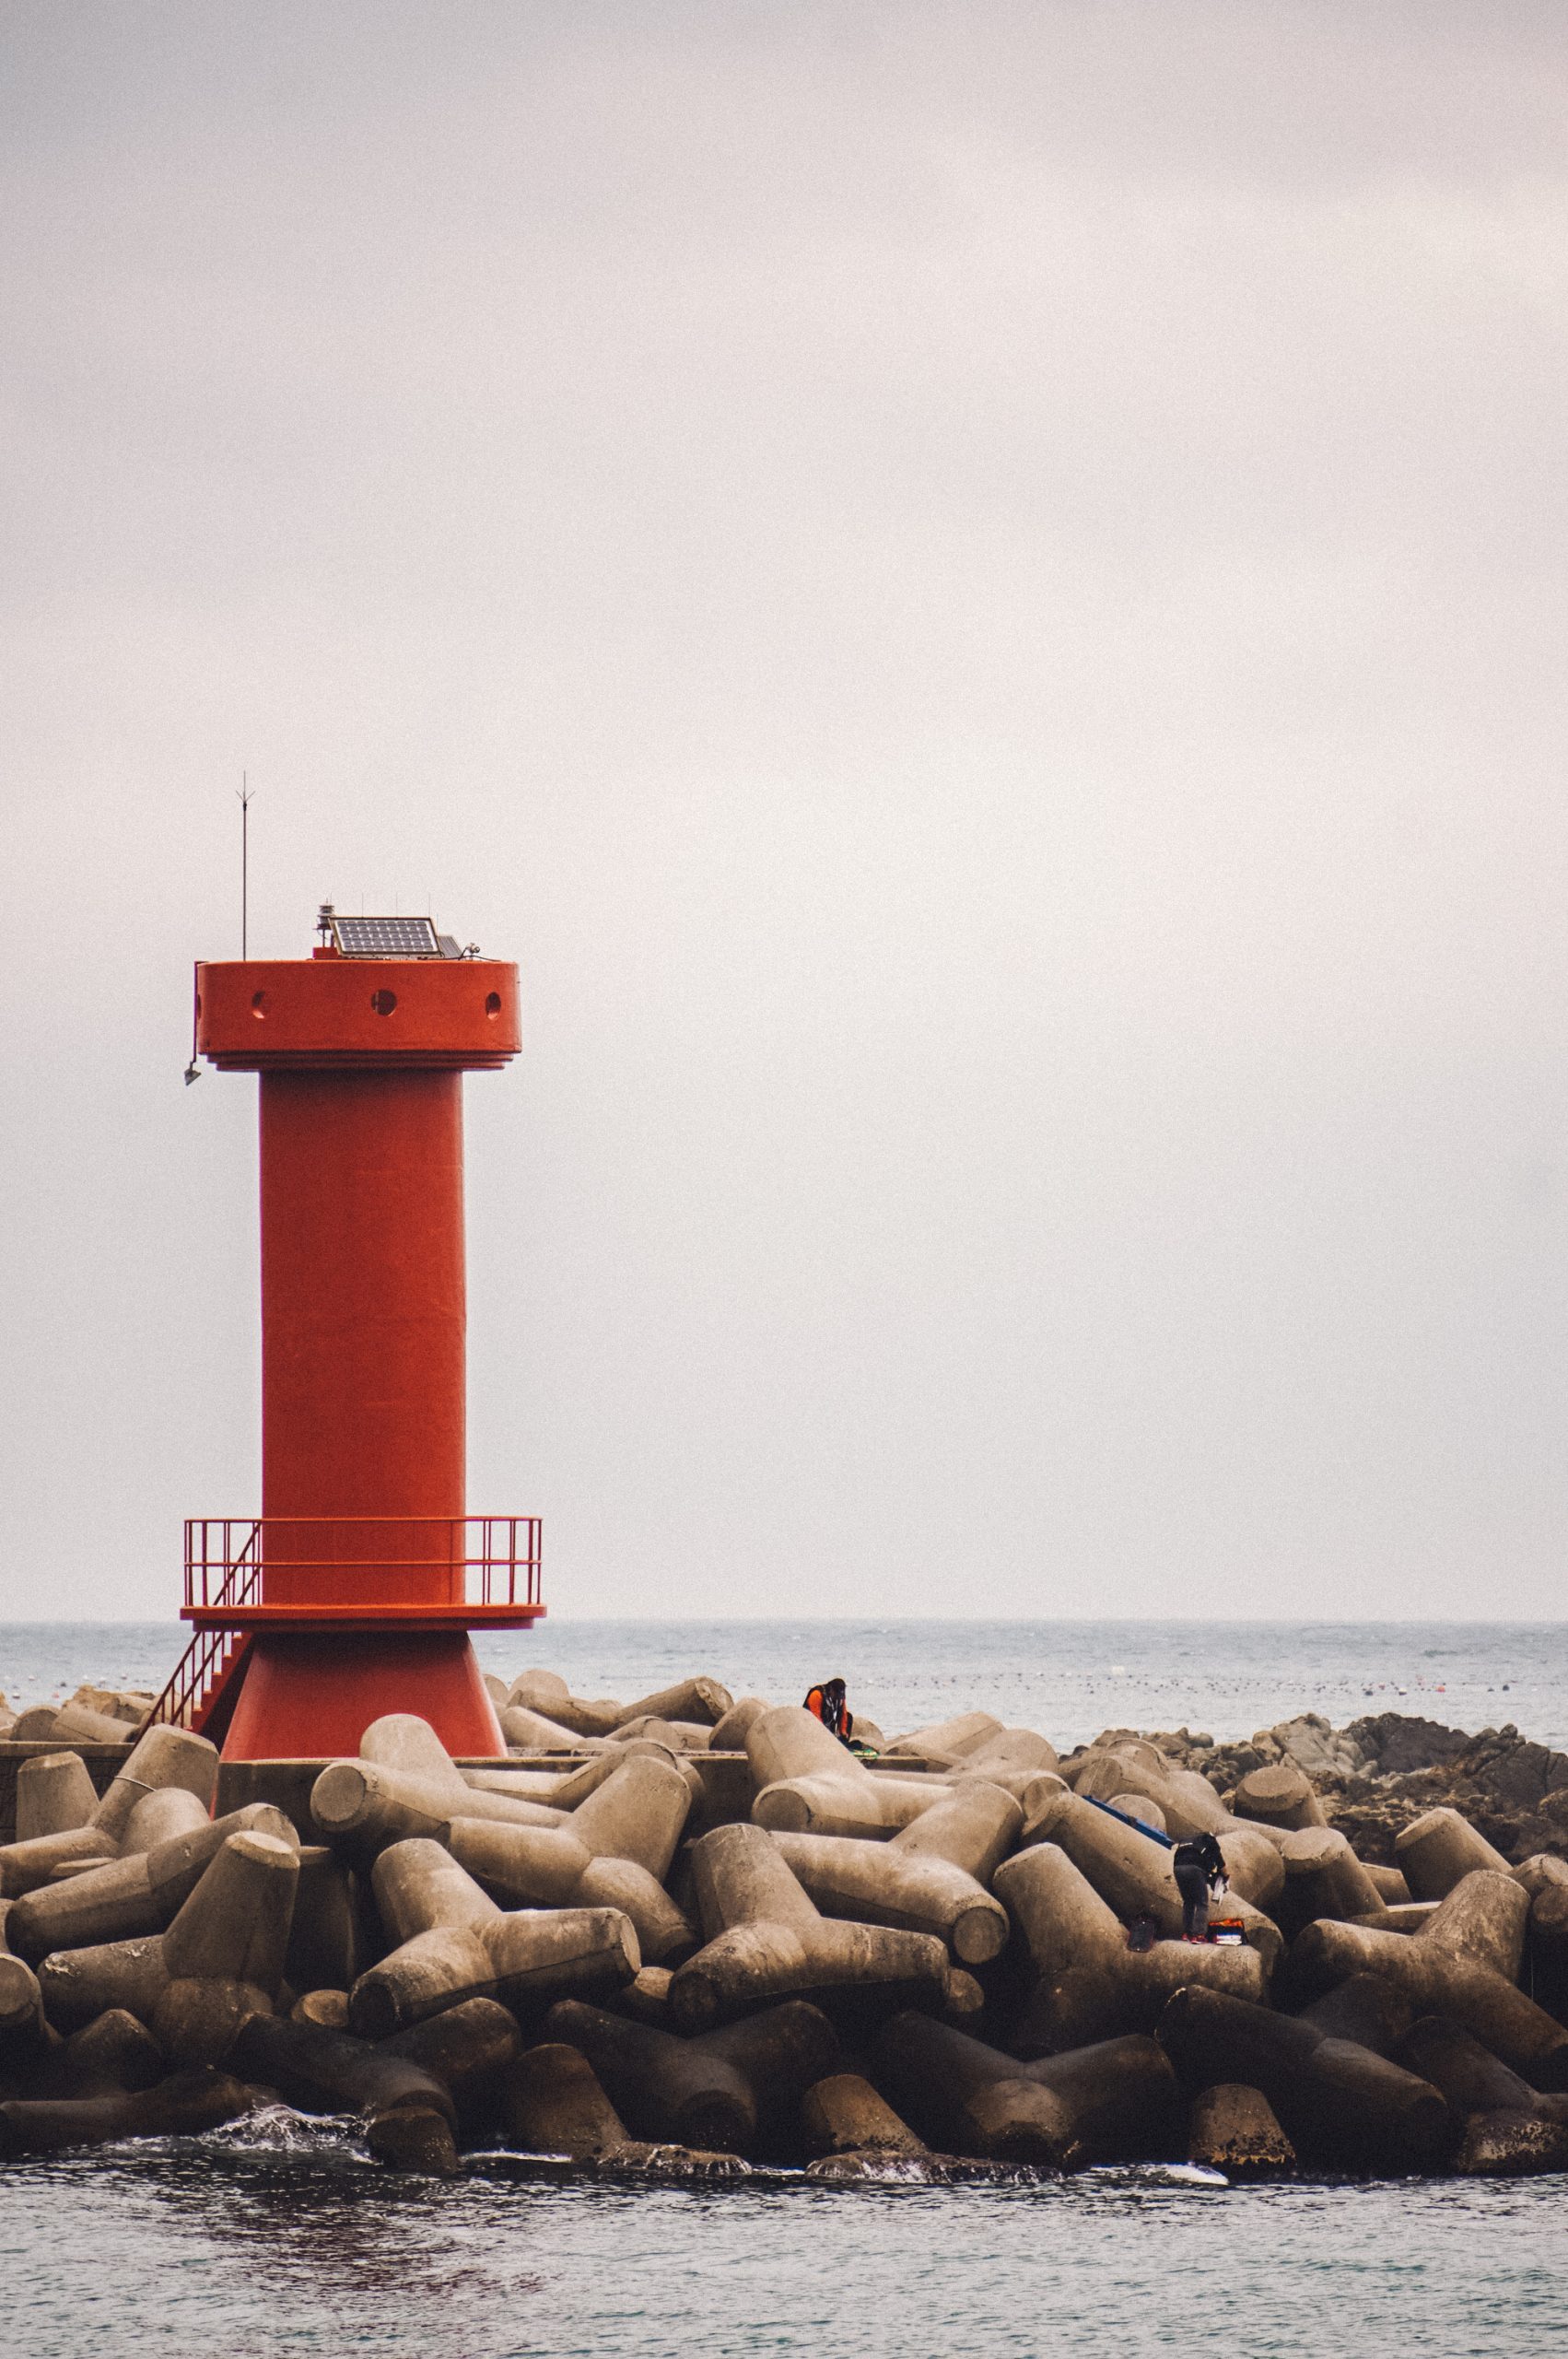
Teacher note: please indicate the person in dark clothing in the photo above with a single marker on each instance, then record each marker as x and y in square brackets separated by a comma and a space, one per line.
[1199, 1868]
[827, 1701]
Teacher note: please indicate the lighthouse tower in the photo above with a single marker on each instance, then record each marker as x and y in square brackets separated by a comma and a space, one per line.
[350, 1595]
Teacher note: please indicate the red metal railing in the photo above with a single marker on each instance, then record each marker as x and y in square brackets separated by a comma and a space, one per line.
[207, 1656]
[226, 1556]
[226, 1561]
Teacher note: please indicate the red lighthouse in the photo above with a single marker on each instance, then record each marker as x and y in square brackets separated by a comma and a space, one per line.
[348, 1596]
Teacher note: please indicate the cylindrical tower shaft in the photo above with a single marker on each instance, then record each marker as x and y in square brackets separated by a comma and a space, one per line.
[363, 1329]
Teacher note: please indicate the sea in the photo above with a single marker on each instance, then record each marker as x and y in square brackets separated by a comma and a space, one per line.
[278, 2235]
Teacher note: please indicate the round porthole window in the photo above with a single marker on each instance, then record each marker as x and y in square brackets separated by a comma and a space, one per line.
[383, 1002]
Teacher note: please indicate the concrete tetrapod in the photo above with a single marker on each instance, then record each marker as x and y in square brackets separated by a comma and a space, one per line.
[539, 1691]
[948, 1739]
[164, 1757]
[729, 1733]
[1027, 1787]
[530, 1785]
[1128, 1869]
[183, 2105]
[111, 2054]
[1282, 1796]
[76, 1985]
[1366, 2009]
[141, 1893]
[1090, 1985]
[367, 1804]
[875, 1884]
[1011, 1751]
[531, 1733]
[328, 2010]
[26, 1867]
[198, 2017]
[1508, 2131]
[646, 1999]
[1485, 1918]
[1434, 1850]
[590, 1716]
[521, 1867]
[404, 1741]
[23, 2031]
[224, 1952]
[767, 1939]
[669, 2090]
[737, 2089]
[1188, 1802]
[678, 1736]
[470, 2048]
[236, 1923]
[1547, 1941]
[973, 1826]
[407, 2111]
[408, 1746]
[1139, 1806]
[552, 2103]
[1342, 2108]
[810, 1784]
[165, 1813]
[78, 1723]
[1323, 1878]
[454, 1944]
[55, 1794]
[778, 2053]
[665, 1935]
[1114, 2101]
[1410, 1918]
[843, 2115]
[705, 1700]
[1063, 1923]
[612, 1853]
[1138, 1749]
[233, 1928]
[637, 1814]
[331, 1942]
[1233, 2129]
[1441, 1973]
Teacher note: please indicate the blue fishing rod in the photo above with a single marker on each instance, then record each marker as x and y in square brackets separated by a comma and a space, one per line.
[1152, 1832]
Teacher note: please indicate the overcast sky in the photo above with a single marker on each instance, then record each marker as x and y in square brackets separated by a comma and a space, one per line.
[976, 594]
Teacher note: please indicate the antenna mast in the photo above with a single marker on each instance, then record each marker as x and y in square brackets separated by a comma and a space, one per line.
[245, 801]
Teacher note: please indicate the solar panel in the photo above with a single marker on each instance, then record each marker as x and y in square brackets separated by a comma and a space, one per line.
[386, 937]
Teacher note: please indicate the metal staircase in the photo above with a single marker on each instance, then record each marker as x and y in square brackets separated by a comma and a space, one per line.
[206, 1677]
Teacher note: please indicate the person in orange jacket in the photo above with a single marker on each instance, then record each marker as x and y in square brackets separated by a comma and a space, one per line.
[827, 1701]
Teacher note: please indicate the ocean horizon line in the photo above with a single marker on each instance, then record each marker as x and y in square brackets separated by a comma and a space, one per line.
[913, 1621]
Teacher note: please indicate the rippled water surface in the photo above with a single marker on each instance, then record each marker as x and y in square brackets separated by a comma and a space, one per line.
[270, 2243]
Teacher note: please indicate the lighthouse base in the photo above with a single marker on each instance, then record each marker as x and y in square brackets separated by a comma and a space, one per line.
[312, 1694]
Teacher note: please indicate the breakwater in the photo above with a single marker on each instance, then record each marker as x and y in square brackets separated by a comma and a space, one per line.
[686, 1935]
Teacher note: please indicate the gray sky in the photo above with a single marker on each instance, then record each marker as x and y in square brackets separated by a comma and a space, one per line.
[976, 593]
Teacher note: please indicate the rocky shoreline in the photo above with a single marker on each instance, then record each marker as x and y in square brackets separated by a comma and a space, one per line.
[1379, 1772]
